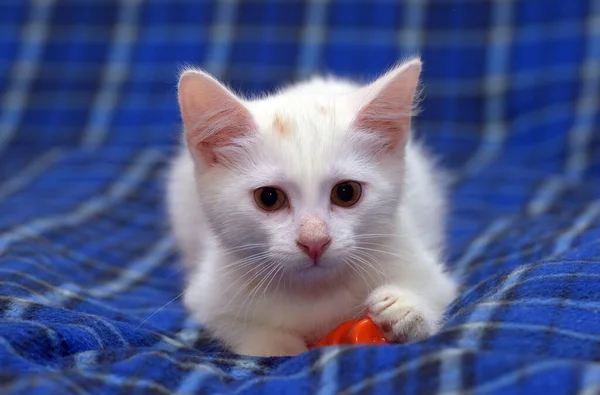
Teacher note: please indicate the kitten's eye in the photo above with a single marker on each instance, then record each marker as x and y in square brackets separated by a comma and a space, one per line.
[346, 194]
[269, 198]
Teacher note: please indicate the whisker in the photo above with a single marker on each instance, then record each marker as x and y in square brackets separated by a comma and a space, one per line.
[249, 298]
[279, 267]
[174, 273]
[369, 264]
[380, 245]
[358, 265]
[397, 255]
[247, 266]
[271, 275]
[243, 248]
[280, 277]
[267, 265]
[260, 269]
[162, 308]
[355, 268]
[359, 309]
[249, 259]
[378, 235]
[272, 267]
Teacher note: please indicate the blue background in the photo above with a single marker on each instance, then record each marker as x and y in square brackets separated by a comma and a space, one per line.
[88, 119]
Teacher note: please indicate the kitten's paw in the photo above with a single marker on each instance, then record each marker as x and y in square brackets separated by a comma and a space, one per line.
[269, 343]
[400, 314]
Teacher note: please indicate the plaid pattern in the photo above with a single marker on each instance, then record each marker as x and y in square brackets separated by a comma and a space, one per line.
[88, 118]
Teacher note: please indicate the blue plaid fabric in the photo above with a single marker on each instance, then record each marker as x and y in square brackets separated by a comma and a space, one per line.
[89, 280]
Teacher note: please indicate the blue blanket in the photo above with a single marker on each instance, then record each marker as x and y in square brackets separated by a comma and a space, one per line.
[89, 279]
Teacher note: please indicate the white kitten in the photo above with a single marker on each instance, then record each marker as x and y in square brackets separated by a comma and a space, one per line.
[300, 210]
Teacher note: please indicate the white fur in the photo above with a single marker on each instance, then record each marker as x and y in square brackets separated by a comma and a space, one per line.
[397, 278]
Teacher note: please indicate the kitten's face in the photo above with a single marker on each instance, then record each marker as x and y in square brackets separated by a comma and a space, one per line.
[302, 167]
[302, 181]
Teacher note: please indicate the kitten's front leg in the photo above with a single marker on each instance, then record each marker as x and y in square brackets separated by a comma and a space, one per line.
[261, 341]
[401, 314]
[412, 305]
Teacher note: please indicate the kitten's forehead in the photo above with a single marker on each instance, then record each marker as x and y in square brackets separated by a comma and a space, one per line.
[301, 121]
[305, 118]
[313, 121]
[306, 134]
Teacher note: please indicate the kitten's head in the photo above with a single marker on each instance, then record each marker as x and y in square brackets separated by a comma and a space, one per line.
[305, 179]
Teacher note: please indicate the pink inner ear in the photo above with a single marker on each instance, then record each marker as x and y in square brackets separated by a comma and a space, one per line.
[391, 122]
[213, 117]
[219, 130]
[386, 105]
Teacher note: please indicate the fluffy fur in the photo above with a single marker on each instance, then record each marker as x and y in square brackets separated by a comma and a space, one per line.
[248, 281]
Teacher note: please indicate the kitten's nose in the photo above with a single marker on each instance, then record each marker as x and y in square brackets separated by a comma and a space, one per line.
[313, 238]
[314, 249]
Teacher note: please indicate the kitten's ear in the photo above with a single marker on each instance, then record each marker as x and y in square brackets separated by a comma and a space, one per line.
[386, 105]
[213, 117]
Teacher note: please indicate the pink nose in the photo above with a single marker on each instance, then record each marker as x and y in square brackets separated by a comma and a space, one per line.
[314, 248]
[313, 237]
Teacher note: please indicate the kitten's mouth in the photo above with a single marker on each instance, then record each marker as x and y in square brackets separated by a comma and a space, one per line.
[313, 274]
[313, 265]
[319, 266]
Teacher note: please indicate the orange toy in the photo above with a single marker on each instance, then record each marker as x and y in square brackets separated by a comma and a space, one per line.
[362, 331]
